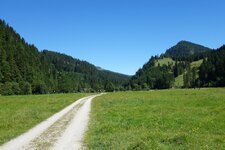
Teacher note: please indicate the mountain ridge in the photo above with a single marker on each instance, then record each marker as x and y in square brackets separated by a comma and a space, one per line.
[185, 48]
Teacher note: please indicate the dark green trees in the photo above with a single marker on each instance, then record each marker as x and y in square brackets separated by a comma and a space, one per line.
[152, 77]
[212, 70]
[73, 75]
[25, 70]
[19, 62]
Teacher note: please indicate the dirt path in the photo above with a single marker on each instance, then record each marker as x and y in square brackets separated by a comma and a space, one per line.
[64, 130]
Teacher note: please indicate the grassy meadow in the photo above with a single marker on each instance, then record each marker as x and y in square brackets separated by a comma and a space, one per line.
[20, 113]
[164, 61]
[164, 119]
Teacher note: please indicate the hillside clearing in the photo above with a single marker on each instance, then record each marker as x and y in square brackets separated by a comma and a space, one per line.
[196, 63]
[164, 61]
[179, 80]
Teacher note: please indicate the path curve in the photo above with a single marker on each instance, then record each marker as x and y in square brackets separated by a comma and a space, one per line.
[64, 130]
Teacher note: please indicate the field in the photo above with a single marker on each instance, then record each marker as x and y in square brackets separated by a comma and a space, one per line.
[165, 119]
[20, 113]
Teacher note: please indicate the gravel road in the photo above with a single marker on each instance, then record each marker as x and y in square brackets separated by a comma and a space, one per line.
[64, 130]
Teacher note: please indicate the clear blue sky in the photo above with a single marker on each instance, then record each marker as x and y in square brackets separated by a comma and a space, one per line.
[119, 35]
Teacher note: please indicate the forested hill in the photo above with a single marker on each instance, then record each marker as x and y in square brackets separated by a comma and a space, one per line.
[25, 70]
[184, 49]
[62, 69]
[186, 65]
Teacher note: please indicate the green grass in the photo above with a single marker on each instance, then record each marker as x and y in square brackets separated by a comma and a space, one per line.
[196, 63]
[20, 113]
[179, 81]
[164, 61]
[166, 119]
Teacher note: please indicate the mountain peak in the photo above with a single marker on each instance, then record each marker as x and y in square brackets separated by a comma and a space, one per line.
[184, 42]
[185, 48]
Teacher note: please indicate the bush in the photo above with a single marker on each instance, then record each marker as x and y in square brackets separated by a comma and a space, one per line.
[15, 88]
[109, 87]
[39, 88]
[7, 89]
[1, 86]
[25, 88]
